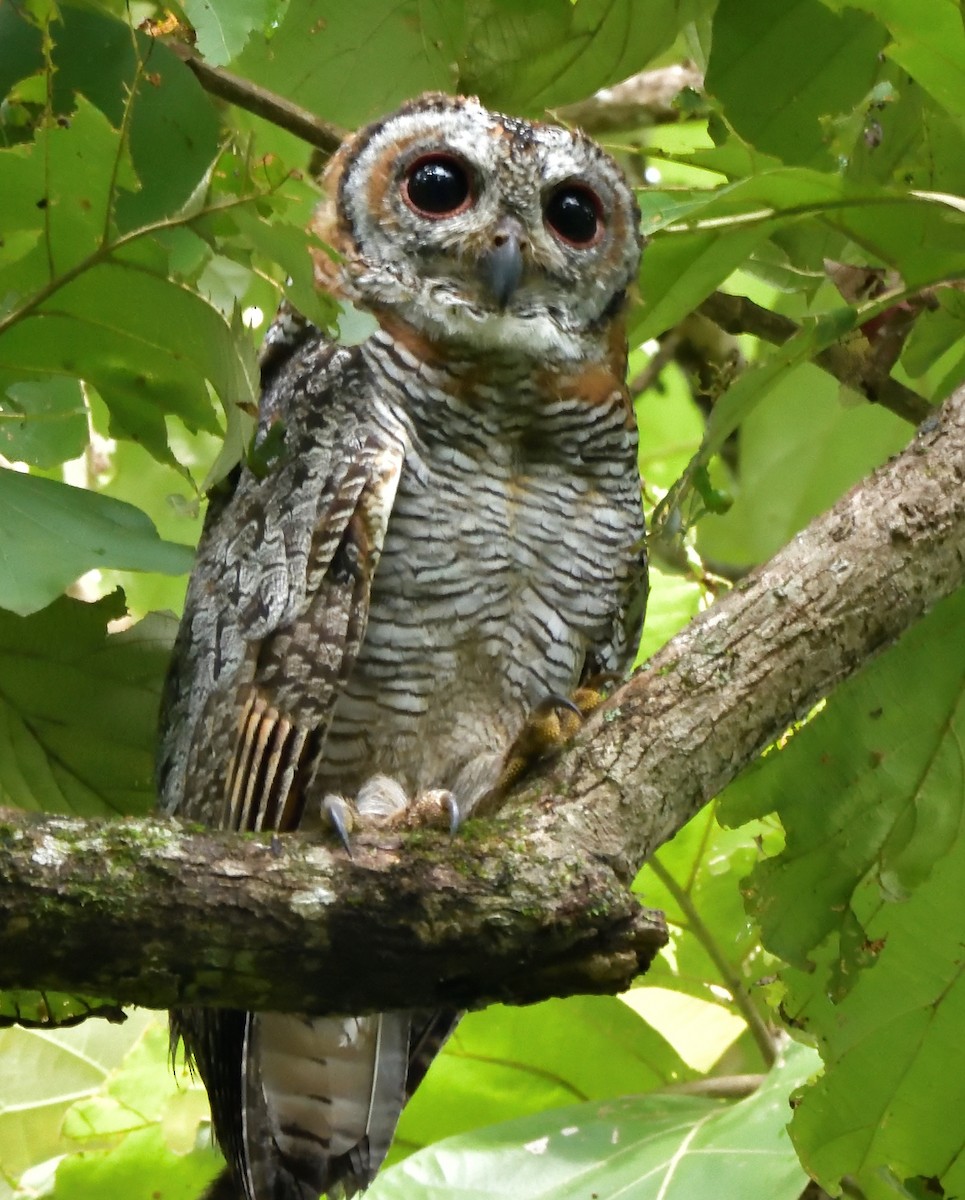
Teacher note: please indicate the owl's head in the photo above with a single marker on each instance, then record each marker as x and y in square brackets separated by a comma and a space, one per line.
[481, 229]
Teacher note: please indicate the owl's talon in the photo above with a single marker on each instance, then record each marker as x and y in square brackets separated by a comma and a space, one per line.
[550, 725]
[451, 806]
[553, 702]
[340, 817]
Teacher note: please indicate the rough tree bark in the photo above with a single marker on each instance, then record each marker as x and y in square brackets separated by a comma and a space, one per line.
[533, 902]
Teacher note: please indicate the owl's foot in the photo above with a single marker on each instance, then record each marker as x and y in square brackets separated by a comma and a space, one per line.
[382, 803]
[551, 724]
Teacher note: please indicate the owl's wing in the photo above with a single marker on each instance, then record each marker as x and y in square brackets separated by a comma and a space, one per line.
[275, 613]
[278, 600]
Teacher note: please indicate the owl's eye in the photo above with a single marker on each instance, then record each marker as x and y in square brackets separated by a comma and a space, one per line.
[437, 186]
[573, 213]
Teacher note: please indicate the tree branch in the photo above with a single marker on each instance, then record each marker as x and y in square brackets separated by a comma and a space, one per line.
[738, 314]
[531, 903]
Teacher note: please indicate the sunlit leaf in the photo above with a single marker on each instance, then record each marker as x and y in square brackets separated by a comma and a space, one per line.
[44, 1073]
[143, 1110]
[651, 1148]
[140, 1168]
[519, 1060]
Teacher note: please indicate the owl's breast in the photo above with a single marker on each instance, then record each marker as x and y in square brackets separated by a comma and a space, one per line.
[501, 567]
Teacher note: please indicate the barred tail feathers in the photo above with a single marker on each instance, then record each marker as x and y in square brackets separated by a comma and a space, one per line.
[330, 1091]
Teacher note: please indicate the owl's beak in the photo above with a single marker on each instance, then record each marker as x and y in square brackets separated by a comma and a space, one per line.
[501, 267]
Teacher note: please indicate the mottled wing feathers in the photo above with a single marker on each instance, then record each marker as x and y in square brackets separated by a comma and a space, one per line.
[278, 601]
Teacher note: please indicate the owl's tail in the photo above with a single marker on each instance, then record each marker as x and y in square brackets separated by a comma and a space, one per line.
[323, 1097]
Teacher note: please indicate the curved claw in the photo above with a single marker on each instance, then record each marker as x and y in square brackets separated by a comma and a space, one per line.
[340, 819]
[451, 806]
[553, 701]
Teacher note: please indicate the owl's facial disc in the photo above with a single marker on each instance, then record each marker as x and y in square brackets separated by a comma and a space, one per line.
[484, 230]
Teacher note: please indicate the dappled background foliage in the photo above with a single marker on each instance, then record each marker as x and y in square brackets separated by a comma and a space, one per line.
[807, 157]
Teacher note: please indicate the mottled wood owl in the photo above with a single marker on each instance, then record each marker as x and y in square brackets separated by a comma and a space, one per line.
[442, 534]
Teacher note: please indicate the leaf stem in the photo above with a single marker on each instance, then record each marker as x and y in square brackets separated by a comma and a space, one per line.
[755, 1023]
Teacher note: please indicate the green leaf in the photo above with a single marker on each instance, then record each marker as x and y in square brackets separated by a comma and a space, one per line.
[54, 1010]
[928, 40]
[172, 502]
[148, 345]
[172, 126]
[51, 533]
[137, 1093]
[21, 48]
[42, 423]
[871, 794]
[801, 446]
[512, 1061]
[78, 708]
[63, 186]
[140, 1168]
[353, 62]
[672, 602]
[701, 237]
[650, 1148]
[151, 1114]
[681, 269]
[696, 882]
[224, 26]
[288, 245]
[894, 1083]
[751, 387]
[811, 64]
[524, 58]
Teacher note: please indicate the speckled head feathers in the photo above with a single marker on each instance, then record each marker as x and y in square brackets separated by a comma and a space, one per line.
[481, 229]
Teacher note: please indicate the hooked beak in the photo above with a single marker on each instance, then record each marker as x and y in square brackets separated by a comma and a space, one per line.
[501, 267]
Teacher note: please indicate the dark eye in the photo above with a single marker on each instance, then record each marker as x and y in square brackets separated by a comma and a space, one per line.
[437, 186]
[573, 213]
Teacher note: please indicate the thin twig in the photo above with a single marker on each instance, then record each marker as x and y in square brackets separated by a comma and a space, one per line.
[758, 1028]
[646, 378]
[263, 103]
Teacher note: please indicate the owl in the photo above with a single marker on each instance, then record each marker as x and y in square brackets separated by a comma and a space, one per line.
[437, 536]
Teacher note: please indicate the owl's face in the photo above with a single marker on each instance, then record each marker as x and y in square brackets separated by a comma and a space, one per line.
[481, 229]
